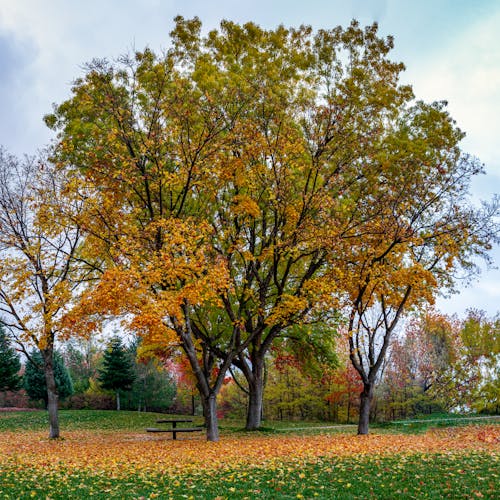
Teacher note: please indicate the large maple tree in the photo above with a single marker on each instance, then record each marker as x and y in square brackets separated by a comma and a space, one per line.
[250, 180]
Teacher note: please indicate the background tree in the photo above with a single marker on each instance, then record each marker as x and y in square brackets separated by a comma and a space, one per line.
[480, 338]
[344, 387]
[10, 365]
[438, 363]
[34, 380]
[426, 369]
[117, 372]
[154, 388]
[39, 272]
[420, 232]
[80, 357]
[185, 400]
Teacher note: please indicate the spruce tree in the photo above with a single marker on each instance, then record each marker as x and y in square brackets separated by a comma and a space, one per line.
[9, 365]
[117, 373]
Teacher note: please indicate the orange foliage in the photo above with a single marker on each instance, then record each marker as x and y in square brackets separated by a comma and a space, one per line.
[121, 453]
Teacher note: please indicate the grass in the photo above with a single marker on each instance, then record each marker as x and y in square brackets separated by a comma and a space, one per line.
[71, 420]
[107, 454]
[137, 421]
[396, 476]
[426, 422]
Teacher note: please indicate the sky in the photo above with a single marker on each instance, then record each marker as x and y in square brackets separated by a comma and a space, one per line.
[451, 49]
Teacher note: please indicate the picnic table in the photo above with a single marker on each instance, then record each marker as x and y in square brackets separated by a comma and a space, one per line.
[173, 426]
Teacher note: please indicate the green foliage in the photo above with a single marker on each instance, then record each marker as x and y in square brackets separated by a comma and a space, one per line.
[314, 346]
[153, 388]
[117, 371]
[80, 357]
[9, 365]
[34, 377]
[292, 394]
[481, 339]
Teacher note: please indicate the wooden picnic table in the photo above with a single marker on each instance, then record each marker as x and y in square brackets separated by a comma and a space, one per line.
[174, 429]
[174, 421]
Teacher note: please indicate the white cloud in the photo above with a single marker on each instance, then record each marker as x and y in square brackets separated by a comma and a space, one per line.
[466, 73]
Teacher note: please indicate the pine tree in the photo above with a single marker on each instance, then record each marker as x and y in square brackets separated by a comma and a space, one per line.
[9, 365]
[34, 378]
[118, 370]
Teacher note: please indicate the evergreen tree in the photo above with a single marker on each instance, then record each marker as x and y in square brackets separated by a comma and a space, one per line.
[9, 365]
[117, 373]
[34, 378]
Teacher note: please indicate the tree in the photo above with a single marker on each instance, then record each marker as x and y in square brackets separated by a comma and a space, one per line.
[39, 272]
[253, 180]
[441, 363]
[430, 234]
[80, 358]
[154, 388]
[426, 370]
[10, 365]
[117, 373]
[480, 338]
[34, 380]
[344, 388]
[219, 173]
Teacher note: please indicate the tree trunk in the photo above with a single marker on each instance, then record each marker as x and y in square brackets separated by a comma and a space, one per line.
[366, 398]
[210, 411]
[52, 396]
[118, 407]
[255, 397]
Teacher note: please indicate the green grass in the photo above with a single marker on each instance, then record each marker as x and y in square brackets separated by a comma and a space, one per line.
[81, 420]
[132, 420]
[396, 476]
[447, 475]
[426, 422]
[137, 421]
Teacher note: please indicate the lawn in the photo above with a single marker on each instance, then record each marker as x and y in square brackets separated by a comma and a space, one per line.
[108, 455]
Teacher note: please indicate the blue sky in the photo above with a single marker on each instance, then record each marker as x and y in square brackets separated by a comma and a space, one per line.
[451, 49]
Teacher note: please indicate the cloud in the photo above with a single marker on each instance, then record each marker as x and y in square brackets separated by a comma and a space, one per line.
[466, 73]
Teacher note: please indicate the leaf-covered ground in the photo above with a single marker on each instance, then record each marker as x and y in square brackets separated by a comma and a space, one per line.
[459, 462]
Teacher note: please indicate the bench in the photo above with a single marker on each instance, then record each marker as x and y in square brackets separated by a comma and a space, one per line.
[175, 430]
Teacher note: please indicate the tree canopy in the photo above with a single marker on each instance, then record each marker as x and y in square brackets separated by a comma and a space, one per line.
[251, 180]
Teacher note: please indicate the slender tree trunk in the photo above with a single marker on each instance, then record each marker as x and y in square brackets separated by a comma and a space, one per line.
[118, 406]
[366, 398]
[52, 396]
[255, 396]
[210, 411]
